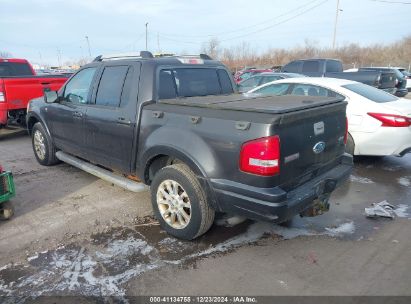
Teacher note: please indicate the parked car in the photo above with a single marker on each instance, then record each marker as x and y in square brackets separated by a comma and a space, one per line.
[259, 79]
[245, 74]
[401, 81]
[379, 123]
[18, 84]
[175, 124]
[407, 76]
[332, 68]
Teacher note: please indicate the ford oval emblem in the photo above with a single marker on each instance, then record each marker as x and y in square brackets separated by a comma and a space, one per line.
[319, 147]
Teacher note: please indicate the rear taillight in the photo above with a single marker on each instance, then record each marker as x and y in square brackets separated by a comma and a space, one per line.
[346, 131]
[261, 156]
[392, 120]
[2, 98]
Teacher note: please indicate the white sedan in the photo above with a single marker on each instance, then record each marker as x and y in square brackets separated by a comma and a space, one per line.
[378, 123]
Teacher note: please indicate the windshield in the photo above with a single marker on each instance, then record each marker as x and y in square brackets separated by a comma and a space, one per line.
[371, 93]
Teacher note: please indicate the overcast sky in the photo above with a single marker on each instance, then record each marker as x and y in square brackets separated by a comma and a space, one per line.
[40, 29]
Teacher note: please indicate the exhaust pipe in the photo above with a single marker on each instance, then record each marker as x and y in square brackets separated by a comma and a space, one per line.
[101, 173]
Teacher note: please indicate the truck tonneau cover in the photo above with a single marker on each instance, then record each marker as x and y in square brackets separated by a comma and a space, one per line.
[266, 104]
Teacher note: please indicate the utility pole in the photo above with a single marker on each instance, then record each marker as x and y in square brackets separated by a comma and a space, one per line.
[146, 36]
[59, 56]
[335, 22]
[88, 44]
[158, 43]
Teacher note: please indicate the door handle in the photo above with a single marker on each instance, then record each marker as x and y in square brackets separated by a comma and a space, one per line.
[77, 114]
[123, 121]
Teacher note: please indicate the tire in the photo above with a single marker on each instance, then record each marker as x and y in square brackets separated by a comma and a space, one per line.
[350, 146]
[43, 148]
[172, 210]
[6, 211]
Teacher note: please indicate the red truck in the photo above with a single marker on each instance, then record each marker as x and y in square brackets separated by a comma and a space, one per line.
[19, 84]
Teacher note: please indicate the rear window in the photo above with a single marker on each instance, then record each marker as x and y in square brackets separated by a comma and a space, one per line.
[311, 66]
[189, 82]
[371, 93]
[292, 67]
[273, 89]
[15, 69]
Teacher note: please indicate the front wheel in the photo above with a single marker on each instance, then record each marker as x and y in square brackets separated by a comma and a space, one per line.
[6, 211]
[43, 147]
[180, 203]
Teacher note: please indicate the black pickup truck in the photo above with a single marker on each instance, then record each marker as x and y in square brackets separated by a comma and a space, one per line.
[384, 80]
[178, 125]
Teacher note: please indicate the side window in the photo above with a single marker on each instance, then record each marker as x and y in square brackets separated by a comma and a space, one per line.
[125, 95]
[250, 82]
[225, 82]
[267, 79]
[78, 88]
[111, 86]
[292, 67]
[274, 89]
[333, 66]
[311, 66]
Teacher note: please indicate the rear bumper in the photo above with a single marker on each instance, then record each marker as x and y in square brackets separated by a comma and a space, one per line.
[401, 92]
[275, 204]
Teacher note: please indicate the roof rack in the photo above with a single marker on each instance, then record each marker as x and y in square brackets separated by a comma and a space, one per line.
[201, 56]
[145, 54]
[129, 55]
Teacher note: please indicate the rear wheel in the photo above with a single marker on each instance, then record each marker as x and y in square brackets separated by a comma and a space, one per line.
[350, 146]
[180, 203]
[43, 147]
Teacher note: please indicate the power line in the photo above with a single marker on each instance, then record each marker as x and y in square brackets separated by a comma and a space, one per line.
[257, 31]
[246, 27]
[278, 23]
[391, 2]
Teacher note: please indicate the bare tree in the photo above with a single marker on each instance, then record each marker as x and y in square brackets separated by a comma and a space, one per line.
[5, 54]
[211, 48]
[351, 54]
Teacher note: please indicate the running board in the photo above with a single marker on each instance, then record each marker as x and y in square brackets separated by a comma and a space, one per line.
[101, 173]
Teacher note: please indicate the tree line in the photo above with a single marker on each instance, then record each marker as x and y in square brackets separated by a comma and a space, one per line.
[353, 55]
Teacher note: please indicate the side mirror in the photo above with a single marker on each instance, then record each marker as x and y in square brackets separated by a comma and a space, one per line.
[50, 96]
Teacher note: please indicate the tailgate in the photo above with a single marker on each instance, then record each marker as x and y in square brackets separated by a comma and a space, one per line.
[312, 140]
[387, 80]
[19, 90]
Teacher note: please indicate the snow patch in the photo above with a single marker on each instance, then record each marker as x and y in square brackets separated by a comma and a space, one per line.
[346, 228]
[401, 211]
[33, 257]
[404, 181]
[361, 180]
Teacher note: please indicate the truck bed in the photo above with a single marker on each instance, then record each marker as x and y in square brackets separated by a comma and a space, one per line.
[265, 104]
